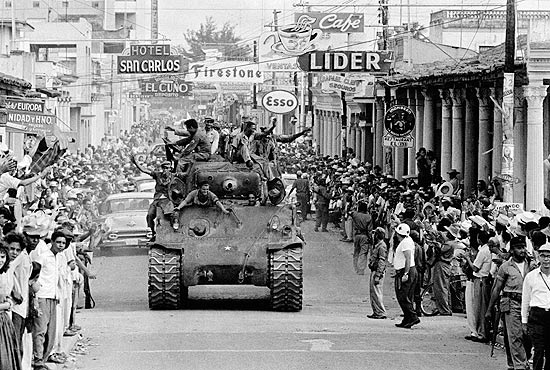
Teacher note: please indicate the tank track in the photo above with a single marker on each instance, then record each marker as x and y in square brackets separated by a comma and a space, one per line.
[285, 274]
[165, 276]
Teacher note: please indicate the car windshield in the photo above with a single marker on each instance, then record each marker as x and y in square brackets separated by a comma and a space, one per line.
[125, 205]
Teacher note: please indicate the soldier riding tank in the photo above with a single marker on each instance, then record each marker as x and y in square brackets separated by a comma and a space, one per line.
[252, 245]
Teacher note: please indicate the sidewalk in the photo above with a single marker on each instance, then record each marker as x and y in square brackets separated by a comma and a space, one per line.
[67, 346]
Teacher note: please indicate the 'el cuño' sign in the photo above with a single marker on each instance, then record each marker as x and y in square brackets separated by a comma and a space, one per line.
[375, 62]
[334, 22]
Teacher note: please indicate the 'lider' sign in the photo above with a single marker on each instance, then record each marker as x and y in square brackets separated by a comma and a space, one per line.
[375, 62]
[149, 59]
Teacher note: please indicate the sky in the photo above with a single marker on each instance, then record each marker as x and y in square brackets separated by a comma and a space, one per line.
[251, 16]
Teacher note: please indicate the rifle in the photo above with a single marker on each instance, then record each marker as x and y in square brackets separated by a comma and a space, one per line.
[494, 334]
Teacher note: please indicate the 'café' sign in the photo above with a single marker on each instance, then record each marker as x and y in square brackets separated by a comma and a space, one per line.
[376, 62]
[334, 22]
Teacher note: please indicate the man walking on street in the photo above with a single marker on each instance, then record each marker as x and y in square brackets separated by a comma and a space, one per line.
[301, 185]
[405, 276]
[509, 281]
[321, 206]
[362, 239]
[377, 266]
[535, 309]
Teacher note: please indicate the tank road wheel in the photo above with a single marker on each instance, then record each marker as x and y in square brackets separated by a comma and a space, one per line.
[285, 276]
[164, 279]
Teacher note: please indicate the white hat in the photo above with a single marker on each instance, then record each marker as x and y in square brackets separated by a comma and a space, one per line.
[403, 229]
[544, 248]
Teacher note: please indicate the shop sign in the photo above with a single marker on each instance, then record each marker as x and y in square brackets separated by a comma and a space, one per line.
[165, 88]
[32, 122]
[279, 101]
[507, 208]
[29, 106]
[507, 178]
[398, 142]
[229, 71]
[333, 22]
[377, 62]
[149, 59]
[331, 82]
[399, 122]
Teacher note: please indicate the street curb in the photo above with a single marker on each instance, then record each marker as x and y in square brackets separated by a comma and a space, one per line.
[67, 346]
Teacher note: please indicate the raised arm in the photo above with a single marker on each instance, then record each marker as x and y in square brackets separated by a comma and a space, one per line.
[140, 167]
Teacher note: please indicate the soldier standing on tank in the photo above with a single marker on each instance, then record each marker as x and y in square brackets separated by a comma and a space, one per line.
[163, 179]
[196, 145]
[242, 152]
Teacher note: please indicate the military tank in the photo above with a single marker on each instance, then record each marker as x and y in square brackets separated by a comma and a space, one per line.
[259, 245]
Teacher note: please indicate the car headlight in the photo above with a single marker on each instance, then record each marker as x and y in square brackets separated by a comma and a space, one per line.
[287, 231]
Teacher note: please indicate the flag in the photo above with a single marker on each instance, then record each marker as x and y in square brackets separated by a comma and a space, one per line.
[45, 155]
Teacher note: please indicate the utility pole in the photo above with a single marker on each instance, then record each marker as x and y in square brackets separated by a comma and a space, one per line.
[384, 18]
[508, 103]
[154, 20]
[13, 28]
[254, 87]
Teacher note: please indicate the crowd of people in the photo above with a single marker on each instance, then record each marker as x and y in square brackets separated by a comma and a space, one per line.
[473, 253]
[48, 232]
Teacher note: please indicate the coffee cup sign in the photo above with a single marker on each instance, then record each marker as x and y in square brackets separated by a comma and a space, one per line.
[279, 101]
[296, 39]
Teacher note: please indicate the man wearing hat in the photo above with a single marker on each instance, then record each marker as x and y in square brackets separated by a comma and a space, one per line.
[377, 266]
[535, 309]
[303, 193]
[362, 224]
[163, 179]
[443, 255]
[509, 281]
[405, 275]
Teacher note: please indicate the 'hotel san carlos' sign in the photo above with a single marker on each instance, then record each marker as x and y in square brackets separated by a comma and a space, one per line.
[149, 59]
[376, 62]
[334, 22]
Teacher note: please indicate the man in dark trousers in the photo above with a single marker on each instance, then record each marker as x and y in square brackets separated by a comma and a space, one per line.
[362, 239]
[196, 145]
[535, 309]
[322, 203]
[509, 281]
[301, 185]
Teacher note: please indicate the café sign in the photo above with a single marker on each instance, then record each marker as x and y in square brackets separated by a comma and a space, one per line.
[376, 62]
[149, 59]
[334, 22]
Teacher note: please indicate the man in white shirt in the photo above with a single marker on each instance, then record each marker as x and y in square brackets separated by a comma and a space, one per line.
[535, 309]
[405, 275]
[8, 181]
[44, 326]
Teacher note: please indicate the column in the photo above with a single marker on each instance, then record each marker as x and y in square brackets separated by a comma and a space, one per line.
[363, 144]
[351, 136]
[497, 132]
[520, 143]
[419, 119]
[484, 159]
[379, 133]
[428, 133]
[411, 158]
[358, 145]
[471, 142]
[326, 139]
[446, 131]
[457, 155]
[338, 136]
[332, 134]
[534, 194]
[317, 131]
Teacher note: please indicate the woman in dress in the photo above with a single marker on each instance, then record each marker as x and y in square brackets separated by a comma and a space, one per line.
[9, 352]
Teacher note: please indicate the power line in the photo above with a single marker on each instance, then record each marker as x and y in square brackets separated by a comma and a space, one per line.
[183, 74]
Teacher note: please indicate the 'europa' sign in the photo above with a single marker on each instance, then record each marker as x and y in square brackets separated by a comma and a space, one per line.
[149, 59]
[375, 62]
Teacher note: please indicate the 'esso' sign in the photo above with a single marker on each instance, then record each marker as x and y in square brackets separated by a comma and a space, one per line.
[280, 101]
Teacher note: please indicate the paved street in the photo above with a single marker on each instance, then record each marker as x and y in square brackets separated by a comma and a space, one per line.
[332, 331]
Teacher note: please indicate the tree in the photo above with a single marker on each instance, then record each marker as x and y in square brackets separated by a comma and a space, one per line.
[209, 36]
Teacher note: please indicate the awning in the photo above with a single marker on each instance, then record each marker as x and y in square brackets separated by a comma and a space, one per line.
[49, 92]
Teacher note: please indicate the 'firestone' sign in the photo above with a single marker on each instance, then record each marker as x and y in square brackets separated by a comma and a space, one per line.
[376, 62]
[149, 59]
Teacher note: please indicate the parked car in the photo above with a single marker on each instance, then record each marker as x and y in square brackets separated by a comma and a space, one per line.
[124, 214]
